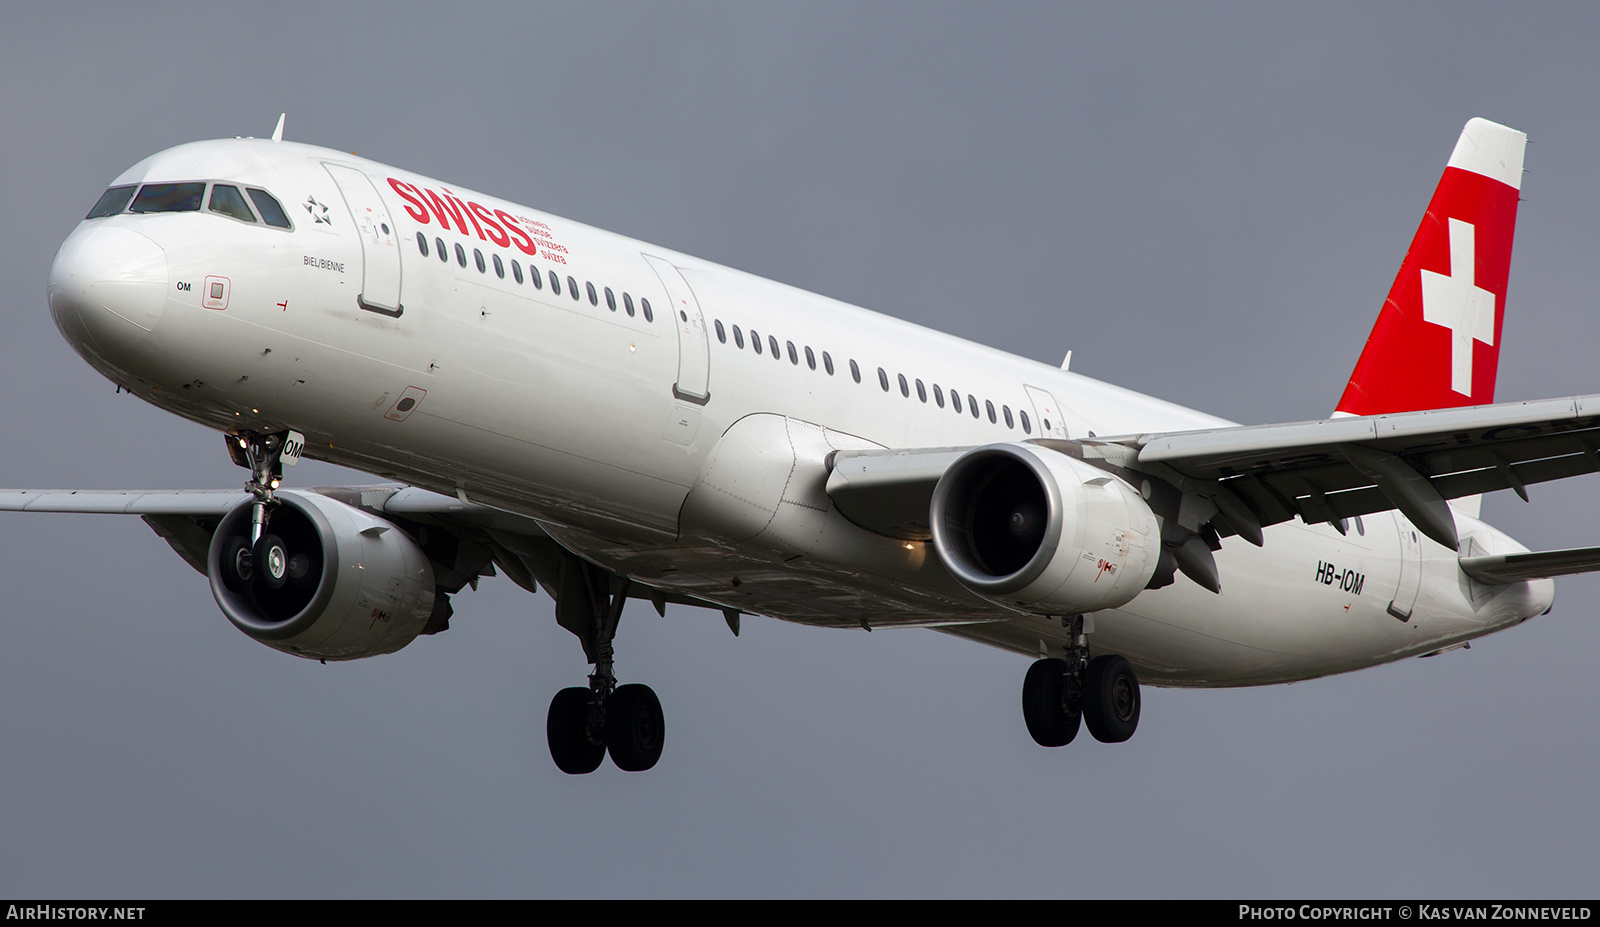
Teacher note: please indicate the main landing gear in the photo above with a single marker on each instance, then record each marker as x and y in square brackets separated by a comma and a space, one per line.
[585, 724]
[1058, 694]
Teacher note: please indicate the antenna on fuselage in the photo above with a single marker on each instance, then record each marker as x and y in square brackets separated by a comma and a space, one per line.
[277, 134]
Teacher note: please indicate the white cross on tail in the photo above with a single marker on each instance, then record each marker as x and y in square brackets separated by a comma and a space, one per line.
[1457, 303]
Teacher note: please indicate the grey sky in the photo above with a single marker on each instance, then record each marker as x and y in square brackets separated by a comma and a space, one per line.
[1206, 203]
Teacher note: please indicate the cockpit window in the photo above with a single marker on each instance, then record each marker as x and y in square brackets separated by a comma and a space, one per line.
[168, 197]
[271, 211]
[227, 200]
[112, 202]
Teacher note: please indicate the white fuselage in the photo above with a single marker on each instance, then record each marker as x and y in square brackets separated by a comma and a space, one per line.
[661, 449]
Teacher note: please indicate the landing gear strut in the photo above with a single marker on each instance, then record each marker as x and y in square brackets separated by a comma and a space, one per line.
[586, 724]
[1058, 694]
[263, 558]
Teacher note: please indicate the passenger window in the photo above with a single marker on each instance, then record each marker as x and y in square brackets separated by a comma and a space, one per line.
[755, 340]
[461, 255]
[722, 336]
[271, 210]
[1027, 426]
[611, 300]
[883, 379]
[855, 372]
[422, 244]
[1007, 412]
[990, 406]
[499, 268]
[444, 253]
[168, 197]
[112, 202]
[627, 303]
[555, 283]
[738, 338]
[536, 278]
[644, 306]
[773, 344]
[905, 390]
[811, 359]
[922, 392]
[572, 289]
[516, 271]
[794, 356]
[477, 257]
[955, 401]
[827, 363]
[938, 396]
[594, 298]
[972, 405]
[227, 200]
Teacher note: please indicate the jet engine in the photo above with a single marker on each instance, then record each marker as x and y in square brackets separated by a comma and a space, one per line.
[1036, 530]
[325, 580]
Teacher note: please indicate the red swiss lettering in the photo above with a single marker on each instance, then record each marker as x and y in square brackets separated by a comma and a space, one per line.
[414, 207]
[495, 232]
[524, 241]
[439, 211]
[457, 200]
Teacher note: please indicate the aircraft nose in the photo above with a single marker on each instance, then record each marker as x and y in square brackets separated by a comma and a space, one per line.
[107, 288]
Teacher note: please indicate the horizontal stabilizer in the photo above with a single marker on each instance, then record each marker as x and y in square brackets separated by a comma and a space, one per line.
[1538, 564]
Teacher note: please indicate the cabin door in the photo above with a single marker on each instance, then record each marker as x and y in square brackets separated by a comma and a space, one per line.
[1052, 424]
[1405, 593]
[694, 348]
[380, 247]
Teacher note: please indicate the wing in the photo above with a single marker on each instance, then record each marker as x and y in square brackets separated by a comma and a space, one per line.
[1325, 471]
[469, 539]
[1235, 481]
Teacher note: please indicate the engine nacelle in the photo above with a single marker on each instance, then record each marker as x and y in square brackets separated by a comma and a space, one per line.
[339, 583]
[1036, 530]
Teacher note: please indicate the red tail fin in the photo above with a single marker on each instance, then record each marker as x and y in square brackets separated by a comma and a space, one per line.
[1437, 340]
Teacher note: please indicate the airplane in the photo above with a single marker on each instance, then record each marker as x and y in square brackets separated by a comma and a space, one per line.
[607, 420]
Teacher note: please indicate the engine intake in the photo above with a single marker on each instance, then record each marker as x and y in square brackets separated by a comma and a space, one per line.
[326, 581]
[1034, 529]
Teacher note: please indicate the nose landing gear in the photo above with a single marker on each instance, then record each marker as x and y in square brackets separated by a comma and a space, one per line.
[1058, 694]
[264, 558]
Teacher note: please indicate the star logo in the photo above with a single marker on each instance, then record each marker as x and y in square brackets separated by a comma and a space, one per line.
[1456, 302]
[319, 212]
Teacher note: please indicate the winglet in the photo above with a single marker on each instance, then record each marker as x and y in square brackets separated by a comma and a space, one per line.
[277, 134]
[1436, 343]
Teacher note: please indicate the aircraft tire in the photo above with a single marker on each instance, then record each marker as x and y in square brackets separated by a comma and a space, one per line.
[270, 561]
[566, 728]
[635, 727]
[1111, 699]
[236, 561]
[1051, 721]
